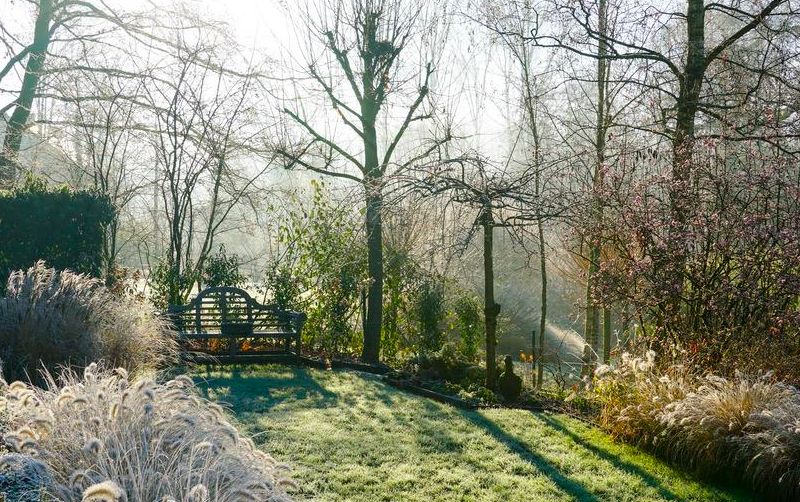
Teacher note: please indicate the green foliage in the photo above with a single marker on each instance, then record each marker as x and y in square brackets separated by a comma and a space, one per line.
[222, 269]
[169, 285]
[321, 270]
[284, 286]
[467, 322]
[446, 364]
[478, 394]
[64, 228]
[414, 308]
[429, 312]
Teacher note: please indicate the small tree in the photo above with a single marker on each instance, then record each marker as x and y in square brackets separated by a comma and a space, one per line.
[368, 43]
[502, 198]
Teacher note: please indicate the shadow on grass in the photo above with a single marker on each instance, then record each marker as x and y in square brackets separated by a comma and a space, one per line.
[249, 390]
[613, 459]
[729, 484]
[566, 484]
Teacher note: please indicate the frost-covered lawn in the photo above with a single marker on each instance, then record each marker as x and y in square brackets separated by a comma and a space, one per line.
[351, 437]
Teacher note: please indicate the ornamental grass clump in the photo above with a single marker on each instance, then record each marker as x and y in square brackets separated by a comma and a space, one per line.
[633, 394]
[106, 438]
[746, 427]
[51, 319]
[708, 427]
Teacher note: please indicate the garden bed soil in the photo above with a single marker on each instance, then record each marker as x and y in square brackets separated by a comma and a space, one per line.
[324, 363]
[408, 386]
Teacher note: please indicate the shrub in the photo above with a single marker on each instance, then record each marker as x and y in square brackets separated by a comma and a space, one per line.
[50, 319]
[447, 365]
[633, 393]
[136, 441]
[63, 227]
[467, 322]
[428, 308]
[170, 285]
[746, 426]
[222, 269]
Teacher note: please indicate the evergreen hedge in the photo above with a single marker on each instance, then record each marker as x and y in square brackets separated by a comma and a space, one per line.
[63, 227]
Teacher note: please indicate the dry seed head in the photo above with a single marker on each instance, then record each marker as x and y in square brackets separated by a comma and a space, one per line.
[142, 384]
[184, 380]
[90, 371]
[287, 483]
[35, 463]
[12, 440]
[77, 478]
[230, 432]
[113, 411]
[186, 418]
[244, 495]
[28, 398]
[64, 398]
[198, 493]
[204, 445]
[27, 433]
[29, 445]
[107, 491]
[17, 386]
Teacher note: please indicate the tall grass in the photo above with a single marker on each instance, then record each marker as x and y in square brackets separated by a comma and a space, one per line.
[50, 319]
[104, 437]
[747, 426]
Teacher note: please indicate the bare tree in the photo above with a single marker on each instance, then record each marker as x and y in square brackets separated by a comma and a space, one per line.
[678, 71]
[503, 199]
[106, 157]
[53, 17]
[368, 44]
[202, 123]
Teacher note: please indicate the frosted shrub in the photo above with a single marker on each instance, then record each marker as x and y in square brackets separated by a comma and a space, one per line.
[772, 448]
[106, 438]
[747, 426]
[51, 318]
[633, 395]
[704, 427]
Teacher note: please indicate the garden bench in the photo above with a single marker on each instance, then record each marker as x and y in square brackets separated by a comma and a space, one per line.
[224, 324]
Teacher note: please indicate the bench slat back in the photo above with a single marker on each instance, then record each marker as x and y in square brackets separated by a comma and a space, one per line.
[215, 307]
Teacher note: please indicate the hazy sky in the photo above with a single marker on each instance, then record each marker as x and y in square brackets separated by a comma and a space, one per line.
[474, 93]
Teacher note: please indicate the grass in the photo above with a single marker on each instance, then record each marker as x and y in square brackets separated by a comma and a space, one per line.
[348, 436]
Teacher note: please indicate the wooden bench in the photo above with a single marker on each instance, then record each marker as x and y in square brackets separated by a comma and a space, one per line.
[226, 325]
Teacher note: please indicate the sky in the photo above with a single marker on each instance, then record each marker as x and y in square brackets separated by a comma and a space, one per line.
[474, 95]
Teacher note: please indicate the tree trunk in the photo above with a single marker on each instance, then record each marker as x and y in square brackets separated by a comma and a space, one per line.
[683, 146]
[606, 334]
[22, 105]
[490, 309]
[543, 316]
[592, 327]
[592, 323]
[374, 200]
